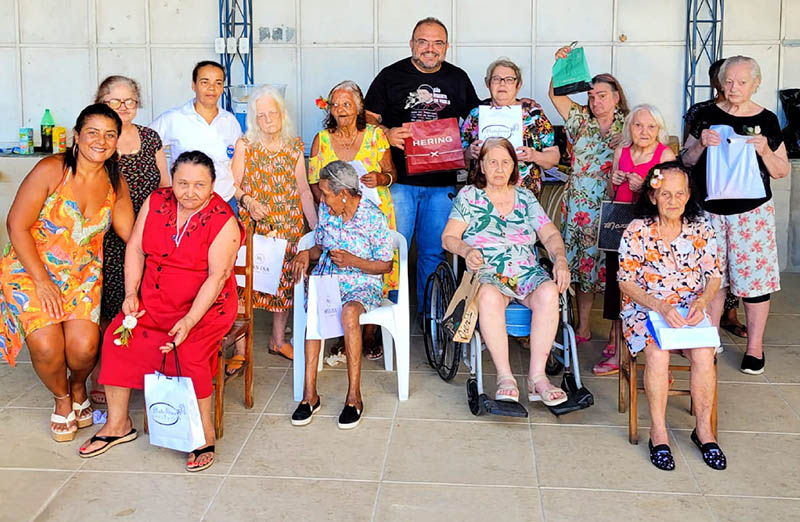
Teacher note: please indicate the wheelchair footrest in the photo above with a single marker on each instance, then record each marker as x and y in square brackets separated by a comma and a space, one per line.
[503, 408]
[577, 398]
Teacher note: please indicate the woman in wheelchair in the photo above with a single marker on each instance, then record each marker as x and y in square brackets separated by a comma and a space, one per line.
[668, 260]
[493, 225]
[352, 241]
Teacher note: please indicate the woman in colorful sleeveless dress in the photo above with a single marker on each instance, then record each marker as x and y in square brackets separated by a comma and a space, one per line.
[595, 130]
[144, 166]
[273, 192]
[644, 138]
[51, 270]
[348, 137]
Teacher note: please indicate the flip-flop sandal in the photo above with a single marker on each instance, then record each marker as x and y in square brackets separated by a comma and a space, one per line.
[98, 396]
[110, 443]
[546, 396]
[506, 383]
[197, 453]
[286, 350]
[579, 339]
[604, 368]
[86, 419]
[373, 350]
[235, 365]
[63, 436]
[609, 351]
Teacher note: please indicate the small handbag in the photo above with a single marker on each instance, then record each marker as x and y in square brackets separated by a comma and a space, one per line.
[615, 216]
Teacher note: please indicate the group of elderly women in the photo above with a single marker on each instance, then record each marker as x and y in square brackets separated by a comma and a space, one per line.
[182, 241]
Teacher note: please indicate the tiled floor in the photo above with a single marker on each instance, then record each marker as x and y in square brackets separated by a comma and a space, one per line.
[427, 458]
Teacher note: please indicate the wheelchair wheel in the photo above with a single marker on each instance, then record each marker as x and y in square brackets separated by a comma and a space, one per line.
[553, 366]
[472, 396]
[442, 353]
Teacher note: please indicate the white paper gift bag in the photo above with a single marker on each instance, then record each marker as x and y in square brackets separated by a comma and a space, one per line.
[732, 167]
[268, 255]
[501, 122]
[324, 317]
[173, 416]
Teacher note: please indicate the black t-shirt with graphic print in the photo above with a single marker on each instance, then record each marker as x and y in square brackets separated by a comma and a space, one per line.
[401, 93]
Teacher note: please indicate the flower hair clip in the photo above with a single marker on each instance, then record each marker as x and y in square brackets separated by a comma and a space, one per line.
[125, 330]
[656, 178]
[322, 103]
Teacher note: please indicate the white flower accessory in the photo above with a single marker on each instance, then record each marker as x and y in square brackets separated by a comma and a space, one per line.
[125, 330]
[656, 178]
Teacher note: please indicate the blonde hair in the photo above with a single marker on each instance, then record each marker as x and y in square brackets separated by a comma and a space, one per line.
[254, 132]
[663, 135]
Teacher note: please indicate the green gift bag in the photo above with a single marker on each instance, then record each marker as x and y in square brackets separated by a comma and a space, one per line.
[571, 74]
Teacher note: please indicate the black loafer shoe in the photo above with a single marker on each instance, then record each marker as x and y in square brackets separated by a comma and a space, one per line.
[751, 365]
[350, 416]
[712, 454]
[661, 456]
[304, 412]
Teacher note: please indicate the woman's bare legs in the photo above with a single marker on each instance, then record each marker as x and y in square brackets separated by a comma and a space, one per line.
[585, 301]
[351, 311]
[118, 423]
[543, 303]
[656, 385]
[492, 311]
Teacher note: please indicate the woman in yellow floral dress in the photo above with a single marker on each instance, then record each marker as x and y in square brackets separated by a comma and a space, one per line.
[273, 192]
[51, 271]
[348, 137]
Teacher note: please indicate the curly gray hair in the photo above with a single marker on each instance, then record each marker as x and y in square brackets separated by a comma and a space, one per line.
[340, 176]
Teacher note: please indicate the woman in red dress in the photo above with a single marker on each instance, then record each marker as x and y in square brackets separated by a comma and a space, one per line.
[180, 287]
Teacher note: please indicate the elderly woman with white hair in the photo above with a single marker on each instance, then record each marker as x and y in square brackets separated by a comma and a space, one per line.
[273, 192]
[352, 241]
[644, 138]
[744, 226]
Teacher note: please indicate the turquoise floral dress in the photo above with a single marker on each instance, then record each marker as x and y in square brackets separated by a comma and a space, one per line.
[592, 157]
[506, 242]
[366, 235]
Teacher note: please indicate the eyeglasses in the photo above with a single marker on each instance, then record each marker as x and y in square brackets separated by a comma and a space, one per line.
[508, 80]
[116, 103]
[439, 44]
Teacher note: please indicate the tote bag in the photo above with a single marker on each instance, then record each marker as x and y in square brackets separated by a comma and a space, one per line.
[571, 74]
[615, 216]
[324, 316]
[732, 167]
[461, 315]
[268, 254]
[433, 146]
[173, 416]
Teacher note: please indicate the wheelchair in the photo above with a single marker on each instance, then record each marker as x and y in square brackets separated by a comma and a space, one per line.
[444, 355]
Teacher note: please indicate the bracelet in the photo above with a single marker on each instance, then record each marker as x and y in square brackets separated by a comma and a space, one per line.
[241, 199]
[390, 180]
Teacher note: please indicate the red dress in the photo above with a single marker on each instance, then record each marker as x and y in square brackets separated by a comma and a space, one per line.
[172, 277]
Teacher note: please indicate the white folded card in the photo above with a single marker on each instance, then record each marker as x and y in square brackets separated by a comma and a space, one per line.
[703, 335]
[369, 193]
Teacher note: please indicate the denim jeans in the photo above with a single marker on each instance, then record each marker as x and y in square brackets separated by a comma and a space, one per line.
[421, 213]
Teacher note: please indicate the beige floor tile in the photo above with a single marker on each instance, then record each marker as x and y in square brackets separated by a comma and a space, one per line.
[318, 450]
[791, 394]
[265, 382]
[141, 456]
[18, 381]
[759, 464]
[732, 509]
[601, 457]
[781, 364]
[378, 390]
[785, 301]
[266, 499]
[460, 453]
[598, 506]
[781, 329]
[28, 491]
[428, 503]
[118, 496]
[729, 362]
[27, 442]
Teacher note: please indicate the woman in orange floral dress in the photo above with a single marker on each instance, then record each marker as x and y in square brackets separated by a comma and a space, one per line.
[51, 270]
[273, 192]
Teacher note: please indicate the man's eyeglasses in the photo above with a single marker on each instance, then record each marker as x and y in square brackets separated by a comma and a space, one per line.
[439, 44]
[116, 103]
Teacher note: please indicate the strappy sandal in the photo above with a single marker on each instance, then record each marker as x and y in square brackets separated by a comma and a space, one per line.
[235, 365]
[373, 350]
[86, 419]
[197, 453]
[110, 443]
[97, 396]
[547, 396]
[712, 453]
[63, 436]
[609, 351]
[606, 367]
[286, 350]
[506, 383]
[661, 456]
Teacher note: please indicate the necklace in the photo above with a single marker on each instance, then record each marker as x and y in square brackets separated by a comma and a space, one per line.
[180, 233]
[348, 145]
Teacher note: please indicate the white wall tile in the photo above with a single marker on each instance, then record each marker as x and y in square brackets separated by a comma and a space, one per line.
[279, 66]
[130, 62]
[396, 19]
[505, 21]
[325, 22]
[767, 58]
[582, 20]
[791, 68]
[7, 28]
[389, 55]
[791, 15]
[54, 21]
[121, 22]
[57, 79]
[651, 21]
[748, 20]
[274, 22]
[9, 105]
[474, 60]
[184, 21]
[172, 76]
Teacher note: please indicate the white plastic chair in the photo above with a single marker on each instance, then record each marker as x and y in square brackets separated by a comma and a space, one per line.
[392, 318]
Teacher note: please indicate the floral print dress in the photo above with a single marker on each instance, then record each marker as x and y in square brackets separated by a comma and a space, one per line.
[506, 242]
[365, 235]
[676, 273]
[592, 157]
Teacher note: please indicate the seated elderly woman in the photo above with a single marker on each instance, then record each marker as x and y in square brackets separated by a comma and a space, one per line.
[493, 225]
[353, 242]
[668, 260]
[179, 285]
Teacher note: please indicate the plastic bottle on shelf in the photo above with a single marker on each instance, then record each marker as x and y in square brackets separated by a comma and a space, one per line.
[47, 131]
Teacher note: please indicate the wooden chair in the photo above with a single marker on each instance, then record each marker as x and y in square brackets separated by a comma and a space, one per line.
[628, 378]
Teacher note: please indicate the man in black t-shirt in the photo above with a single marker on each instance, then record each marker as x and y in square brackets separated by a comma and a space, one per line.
[421, 88]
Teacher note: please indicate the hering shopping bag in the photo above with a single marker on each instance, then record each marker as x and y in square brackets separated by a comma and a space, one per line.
[461, 316]
[173, 416]
[571, 74]
[433, 146]
[732, 167]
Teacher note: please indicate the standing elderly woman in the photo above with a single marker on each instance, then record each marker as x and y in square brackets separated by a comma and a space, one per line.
[668, 260]
[595, 130]
[493, 226]
[348, 137]
[179, 285]
[353, 242]
[271, 186]
[538, 152]
[51, 270]
[745, 228]
[644, 138]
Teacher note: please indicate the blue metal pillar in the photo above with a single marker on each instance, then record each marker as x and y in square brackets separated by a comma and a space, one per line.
[703, 46]
[236, 21]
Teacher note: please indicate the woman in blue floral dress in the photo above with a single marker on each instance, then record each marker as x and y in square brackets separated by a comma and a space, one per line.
[594, 130]
[352, 242]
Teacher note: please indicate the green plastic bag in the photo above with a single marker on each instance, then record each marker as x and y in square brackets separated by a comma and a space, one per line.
[571, 74]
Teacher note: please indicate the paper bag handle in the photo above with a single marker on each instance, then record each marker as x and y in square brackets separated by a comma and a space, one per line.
[177, 363]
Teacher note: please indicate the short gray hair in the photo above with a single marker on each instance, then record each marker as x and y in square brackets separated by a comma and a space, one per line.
[503, 62]
[755, 69]
[663, 135]
[340, 176]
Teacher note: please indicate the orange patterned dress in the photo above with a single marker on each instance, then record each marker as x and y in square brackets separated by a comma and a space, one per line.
[269, 177]
[71, 248]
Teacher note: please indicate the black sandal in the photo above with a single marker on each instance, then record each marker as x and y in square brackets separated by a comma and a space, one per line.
[712, 453]
[661, 456]
[197, 453]
[110, 443]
